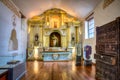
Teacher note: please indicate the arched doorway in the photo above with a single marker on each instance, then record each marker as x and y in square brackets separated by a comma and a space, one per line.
[55, 39]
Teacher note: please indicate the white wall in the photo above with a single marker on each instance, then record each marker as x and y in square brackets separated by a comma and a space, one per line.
[5, 33]
[102, 16]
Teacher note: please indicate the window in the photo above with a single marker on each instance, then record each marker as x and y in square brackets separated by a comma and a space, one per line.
[89, 28]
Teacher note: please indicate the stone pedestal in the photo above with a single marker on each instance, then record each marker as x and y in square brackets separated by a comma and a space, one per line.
[88, 62]
[78, 60]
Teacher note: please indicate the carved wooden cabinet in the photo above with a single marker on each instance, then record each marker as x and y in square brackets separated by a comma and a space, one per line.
[108, 51]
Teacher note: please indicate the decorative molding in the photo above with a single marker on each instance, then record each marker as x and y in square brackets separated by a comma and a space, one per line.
[107, 3]
[11, 6]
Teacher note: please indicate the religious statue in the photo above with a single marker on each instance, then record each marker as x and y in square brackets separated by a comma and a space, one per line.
[87, 55]
[55, 41]
[73, 39]
[36, 42]
[87, 52]
[36, 37]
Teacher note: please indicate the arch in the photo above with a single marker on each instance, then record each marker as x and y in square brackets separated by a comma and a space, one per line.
[57, 31]
[55, 39]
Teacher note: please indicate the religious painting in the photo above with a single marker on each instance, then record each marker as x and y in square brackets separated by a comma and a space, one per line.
[55, 39]
[55, 24]
[55, 21]
[107, 3]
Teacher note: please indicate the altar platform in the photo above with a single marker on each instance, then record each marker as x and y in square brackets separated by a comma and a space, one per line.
[56, 55]
[50, 54]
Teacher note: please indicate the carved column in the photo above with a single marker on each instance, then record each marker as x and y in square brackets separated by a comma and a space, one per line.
[69, 40]
[63, 41]
[41, 36]
[28, 35]
[77, 34]
[31, 35]
[68, 35]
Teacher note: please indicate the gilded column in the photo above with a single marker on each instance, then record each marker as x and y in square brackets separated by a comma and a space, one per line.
[78, 31]
[31, 35]
[69, 36]
[68, 33]
[41, 37]
[62, 19]
[28, 34]
[77, 34]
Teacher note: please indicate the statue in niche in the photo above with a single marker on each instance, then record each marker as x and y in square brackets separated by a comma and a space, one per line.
[55, 41]
[13, 42]
[36, 43]
[73, 39]
[36, 37]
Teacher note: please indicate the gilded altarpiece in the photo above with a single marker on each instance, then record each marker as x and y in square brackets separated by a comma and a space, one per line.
[54, 29]
[53, 20]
